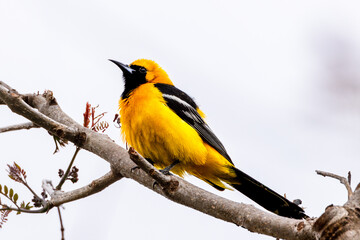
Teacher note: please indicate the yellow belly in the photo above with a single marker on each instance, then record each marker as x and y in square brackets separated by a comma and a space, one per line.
[156, 132]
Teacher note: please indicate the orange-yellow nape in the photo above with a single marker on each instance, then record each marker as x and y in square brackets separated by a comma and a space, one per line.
[155, 74]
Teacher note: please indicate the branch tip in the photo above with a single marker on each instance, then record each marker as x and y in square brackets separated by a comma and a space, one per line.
[342, 180]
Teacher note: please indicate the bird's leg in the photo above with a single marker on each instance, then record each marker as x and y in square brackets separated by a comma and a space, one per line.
[150, 161]
[166, 171]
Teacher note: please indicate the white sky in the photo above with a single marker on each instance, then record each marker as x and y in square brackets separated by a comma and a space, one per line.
[260, 70]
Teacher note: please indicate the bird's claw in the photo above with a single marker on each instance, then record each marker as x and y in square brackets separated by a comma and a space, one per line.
[134, 168]
[166, 172]
[154, 184]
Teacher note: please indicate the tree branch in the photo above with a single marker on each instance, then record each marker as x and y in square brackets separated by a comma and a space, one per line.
[50, 117]
[343, 180]
[62, 229]
[15, 102]
[58, 197]
[20, 126]
[340, 222]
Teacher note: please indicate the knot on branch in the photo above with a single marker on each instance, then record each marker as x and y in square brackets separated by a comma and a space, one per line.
[338, 223]
[80, 139]
[50, 99]
[300, 226]
[169, 186]
[59, 132]
[14, 94]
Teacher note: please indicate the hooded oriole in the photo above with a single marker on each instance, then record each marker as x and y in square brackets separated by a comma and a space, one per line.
[167, 127]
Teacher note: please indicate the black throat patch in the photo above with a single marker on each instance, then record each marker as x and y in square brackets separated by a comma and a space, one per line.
[133, 80]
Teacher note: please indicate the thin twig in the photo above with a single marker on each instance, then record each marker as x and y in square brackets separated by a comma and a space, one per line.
[20, 126]
[41, 210]
[43, 202]
[10, 199]
[343, 180]
[349, 178]
[62, 229]
[63, 179]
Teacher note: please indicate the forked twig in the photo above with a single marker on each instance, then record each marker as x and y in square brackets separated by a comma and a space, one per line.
[343, 180]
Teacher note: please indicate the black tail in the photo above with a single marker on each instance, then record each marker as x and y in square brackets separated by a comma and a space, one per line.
[266, 197]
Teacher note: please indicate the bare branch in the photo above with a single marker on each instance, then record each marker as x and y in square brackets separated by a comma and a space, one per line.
[343, 180]
[20, 126]
[58, 197]
[19, 106]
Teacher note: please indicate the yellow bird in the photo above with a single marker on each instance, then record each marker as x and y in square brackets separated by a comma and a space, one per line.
[166, 126]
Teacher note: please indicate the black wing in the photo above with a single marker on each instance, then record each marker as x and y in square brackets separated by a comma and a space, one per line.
[185, 107]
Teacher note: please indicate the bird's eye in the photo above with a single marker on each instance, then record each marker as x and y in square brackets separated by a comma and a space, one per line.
[142, 70]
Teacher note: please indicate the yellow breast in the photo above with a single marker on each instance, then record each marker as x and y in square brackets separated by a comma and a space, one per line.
[156, 132]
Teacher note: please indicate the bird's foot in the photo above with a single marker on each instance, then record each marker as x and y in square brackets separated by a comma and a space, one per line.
[166, 172]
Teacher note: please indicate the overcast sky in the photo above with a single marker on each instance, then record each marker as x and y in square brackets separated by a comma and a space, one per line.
[278, 80]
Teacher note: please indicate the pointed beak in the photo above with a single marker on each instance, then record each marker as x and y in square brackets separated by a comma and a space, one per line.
[124, 68]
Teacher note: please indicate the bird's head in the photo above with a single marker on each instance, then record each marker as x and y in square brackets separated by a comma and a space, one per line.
[140, 72]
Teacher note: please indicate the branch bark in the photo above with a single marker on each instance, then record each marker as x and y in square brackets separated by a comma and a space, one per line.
[340, 222]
